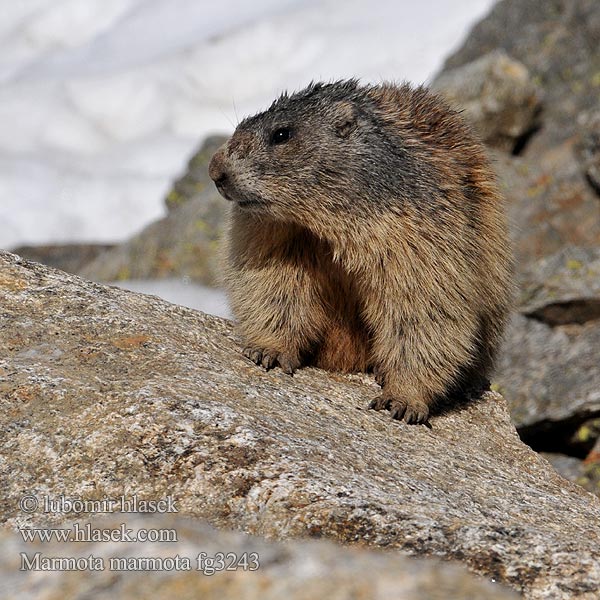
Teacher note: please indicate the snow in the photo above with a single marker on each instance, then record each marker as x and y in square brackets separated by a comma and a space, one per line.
[103, 101]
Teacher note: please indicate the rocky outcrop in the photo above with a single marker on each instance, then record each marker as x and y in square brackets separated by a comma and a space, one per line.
[549, 369]
[558, 43]
[185, 243]
[550, 375]
[106, 392]
[563, 288]
[498, 96]
[191, 567]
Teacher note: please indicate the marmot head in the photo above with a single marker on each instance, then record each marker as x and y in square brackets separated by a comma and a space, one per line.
[321, 150]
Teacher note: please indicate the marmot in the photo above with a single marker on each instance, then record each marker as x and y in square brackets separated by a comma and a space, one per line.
[367, 234]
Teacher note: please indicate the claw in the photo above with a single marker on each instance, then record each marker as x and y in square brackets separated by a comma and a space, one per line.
[398, 409]
[268, 359]
[254, 354]
[411, 412]
[380, 403]
[288, 364]
[379, 376]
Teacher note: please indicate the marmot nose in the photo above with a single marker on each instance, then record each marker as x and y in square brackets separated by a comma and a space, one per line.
[216, 169]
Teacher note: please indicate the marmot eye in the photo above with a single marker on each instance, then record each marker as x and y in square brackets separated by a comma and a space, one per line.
[281, 135]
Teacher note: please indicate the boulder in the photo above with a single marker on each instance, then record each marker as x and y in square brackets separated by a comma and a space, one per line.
[183, 244]
[548, 368]
[107, 393]
[67, 257]
[558, 43]
[550, 377]
[563, 288]
[498, 96]
[195, 180]
[550, 186]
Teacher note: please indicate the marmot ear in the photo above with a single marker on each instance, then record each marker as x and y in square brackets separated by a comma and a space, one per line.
[346, 118]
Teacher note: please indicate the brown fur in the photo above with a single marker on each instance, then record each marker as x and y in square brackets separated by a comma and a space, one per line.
[375, 240]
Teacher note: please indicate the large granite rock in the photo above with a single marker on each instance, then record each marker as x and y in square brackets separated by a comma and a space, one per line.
[185, 243]
[66, 257]
[498, 96]
[563, 288]
[191, 567]
[549, 369]
[107, 392]
[550, 375]
[558, 43]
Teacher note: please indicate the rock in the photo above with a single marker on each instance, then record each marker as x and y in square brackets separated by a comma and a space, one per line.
[549, 208]
[563, 288]
[195, 180]
[183, 244]
[107, 392]
[583, 444]
[498, 95]
[297, 570]
[67, 257]
[548, 369]
[539, 223]
[558, 43]
[549, 376]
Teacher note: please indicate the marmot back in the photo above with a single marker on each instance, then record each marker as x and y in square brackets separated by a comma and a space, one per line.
[367, 234]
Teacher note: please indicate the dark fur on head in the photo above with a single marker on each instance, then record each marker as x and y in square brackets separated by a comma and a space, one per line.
[367, 233]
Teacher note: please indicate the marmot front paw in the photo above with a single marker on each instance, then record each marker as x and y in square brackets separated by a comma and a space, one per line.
[271, 358]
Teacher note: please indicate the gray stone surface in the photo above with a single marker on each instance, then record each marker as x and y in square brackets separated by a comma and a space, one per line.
[589, 145]
[569, 467]
[299, 570]
[563, 288]
[498, 96]
[107, 392]
[550, 375]
[552, 201]
[185, 243]
[67, 257]
[558, 43]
